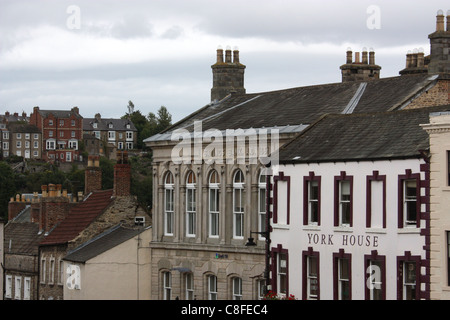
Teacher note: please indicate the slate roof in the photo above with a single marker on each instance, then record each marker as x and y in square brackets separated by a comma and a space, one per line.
[102, 243]
[304, 105]
[79, 217]
[59, 113]
[23, 128]
[103, 124]
[24, 236]
[371, 136]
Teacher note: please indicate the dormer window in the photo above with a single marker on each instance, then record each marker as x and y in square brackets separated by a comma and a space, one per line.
[95, 125]
[110, 125]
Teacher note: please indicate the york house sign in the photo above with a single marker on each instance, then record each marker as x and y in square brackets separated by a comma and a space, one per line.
[343, 240]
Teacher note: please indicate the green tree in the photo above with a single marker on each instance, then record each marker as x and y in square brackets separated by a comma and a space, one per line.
[7, 188]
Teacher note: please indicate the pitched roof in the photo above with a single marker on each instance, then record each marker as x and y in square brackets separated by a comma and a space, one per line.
[79, 218]
[103, 124]
[24, 238]
[371, 136]
[304, 105]
[102, 243]
[59, 113]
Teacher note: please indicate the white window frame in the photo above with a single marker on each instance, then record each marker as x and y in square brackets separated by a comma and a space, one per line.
[189, 286]
[129, 135]
[212, 287]
[407, 285]
[169, 213]
[312, 278]
[344, 202]
[238, 199]
[27, 288]
[237, 288]
[167, 285]
[262, 204]
[8, 286]
[213, 205]
[342, 280]
[111, 135]
[282, 272]
[313, 202]
[17, 288]
[409, 200]
[191, 211]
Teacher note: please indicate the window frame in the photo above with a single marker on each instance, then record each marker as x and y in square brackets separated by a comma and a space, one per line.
[408, 176]
[277, 275]
[212, 290]
[307, 180]
[401, 260]
[191, 204]
[167, 285]
[236, 288]
[338, 258]
[213, 213]
[169, 204]
[238, 215]
[368, 259]
[306, 255]
[262, 203]
[338, 202]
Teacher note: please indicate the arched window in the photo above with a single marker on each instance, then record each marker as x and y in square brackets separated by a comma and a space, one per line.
[213, 198]
[238, 205]
[190, 204]
[168, 204]
[262, 203]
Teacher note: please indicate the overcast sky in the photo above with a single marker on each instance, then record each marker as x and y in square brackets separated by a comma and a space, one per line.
[98, 55]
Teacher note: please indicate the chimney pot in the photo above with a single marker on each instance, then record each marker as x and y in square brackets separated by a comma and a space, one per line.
[349, 55]
[371, 56]
[219, 55]
[228, 55]
[448, 20]
[356, 57]
[365, 59]
[440, 21]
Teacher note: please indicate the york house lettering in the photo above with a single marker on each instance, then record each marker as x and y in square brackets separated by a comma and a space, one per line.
[345, 240]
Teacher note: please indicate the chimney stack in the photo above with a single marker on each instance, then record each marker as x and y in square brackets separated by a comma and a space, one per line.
[228, 74]
[415, 62]
[440, 47]
[122, 176]
[93, 175]
[363, 68]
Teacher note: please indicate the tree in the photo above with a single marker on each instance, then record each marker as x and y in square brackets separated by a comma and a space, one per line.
[7, 187]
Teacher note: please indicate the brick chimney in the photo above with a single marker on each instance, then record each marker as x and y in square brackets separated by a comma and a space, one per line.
[92, 175]
[122, 175]
[15, 206]
[54, 207]
[228, 74]
[363, 69]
